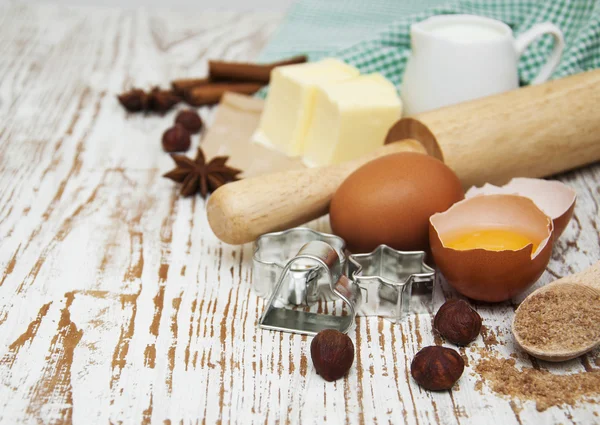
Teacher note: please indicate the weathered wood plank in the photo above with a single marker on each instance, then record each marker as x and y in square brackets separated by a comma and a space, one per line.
[118, 304]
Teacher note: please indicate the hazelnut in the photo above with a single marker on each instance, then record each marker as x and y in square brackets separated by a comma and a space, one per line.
[190, 120]
[332, 353]
[437, 368]
[176, 139]
[457, 322]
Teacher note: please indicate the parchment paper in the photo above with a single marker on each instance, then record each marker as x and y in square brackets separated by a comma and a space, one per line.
[230, 134]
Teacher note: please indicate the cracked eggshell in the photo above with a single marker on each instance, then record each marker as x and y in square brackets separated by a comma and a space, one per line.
[492, 276]
[554, 198]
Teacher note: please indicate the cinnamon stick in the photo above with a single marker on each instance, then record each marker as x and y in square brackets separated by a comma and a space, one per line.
[247, 72]
[181, 86]
[209, 94]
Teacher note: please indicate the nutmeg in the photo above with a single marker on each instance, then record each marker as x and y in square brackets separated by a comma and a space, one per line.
[457, 322]
[332, 353]
[437, 368]
[176, 139]
[190, 120]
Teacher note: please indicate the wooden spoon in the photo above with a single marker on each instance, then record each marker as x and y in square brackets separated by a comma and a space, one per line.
[571, 329]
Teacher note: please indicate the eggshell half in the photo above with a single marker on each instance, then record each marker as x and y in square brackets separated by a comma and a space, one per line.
[484, 275]
[554, 198]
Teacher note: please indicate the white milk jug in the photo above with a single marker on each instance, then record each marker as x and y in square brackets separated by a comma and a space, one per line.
[456, 58]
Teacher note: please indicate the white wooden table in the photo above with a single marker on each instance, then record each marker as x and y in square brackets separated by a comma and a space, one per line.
[118, 304]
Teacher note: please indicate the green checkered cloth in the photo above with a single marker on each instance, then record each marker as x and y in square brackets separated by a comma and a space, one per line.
[374, 35]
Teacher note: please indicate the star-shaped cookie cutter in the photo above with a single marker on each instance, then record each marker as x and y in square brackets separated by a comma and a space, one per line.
[393, 283]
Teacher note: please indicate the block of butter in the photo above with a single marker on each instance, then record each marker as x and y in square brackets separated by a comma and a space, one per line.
[350, 118]
[289, 106]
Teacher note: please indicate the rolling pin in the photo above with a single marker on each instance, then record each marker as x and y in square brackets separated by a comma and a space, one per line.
[534, 131]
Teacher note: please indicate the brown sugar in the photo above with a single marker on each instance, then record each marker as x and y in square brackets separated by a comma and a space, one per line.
[488, 336]
[559, 319]
[543, 387]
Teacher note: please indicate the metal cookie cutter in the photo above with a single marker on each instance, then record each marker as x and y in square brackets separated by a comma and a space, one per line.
[394, 283]
[315, 260]
[272, 251]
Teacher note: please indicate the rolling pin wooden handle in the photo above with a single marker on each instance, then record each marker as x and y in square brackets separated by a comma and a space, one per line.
[533, 131]
[242, 211]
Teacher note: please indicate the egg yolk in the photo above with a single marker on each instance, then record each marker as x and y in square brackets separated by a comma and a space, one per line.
[491, 240]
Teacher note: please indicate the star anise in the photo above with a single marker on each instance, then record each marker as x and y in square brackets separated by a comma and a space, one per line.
[162, 100]
[198, 176]
[134, 100]
[156, 100]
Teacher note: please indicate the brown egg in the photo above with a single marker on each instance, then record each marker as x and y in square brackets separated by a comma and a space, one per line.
[389, 201]
[500, 273]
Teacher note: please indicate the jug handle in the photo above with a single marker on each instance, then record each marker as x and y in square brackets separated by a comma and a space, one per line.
[532, 34]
